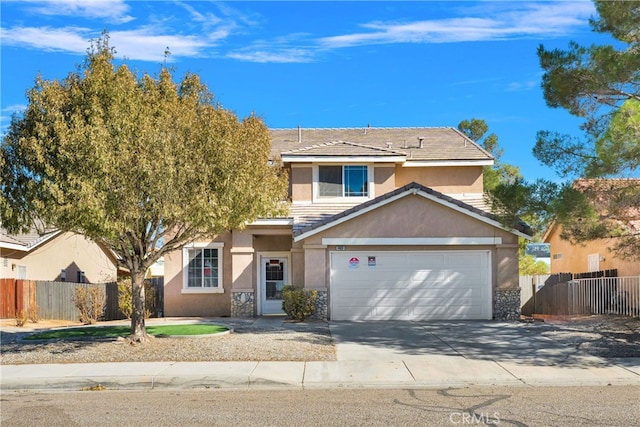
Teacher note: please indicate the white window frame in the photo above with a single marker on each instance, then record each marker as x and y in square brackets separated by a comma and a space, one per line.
[316, 184]
[593, 262]
[185, 269]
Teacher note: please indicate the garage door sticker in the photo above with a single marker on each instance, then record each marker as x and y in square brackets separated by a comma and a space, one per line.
[354, 262]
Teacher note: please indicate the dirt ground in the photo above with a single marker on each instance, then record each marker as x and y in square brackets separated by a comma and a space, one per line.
[605, 336]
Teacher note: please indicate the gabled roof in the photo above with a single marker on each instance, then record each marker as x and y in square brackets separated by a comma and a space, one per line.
[25, 242]
[522, 229]
[418, 144]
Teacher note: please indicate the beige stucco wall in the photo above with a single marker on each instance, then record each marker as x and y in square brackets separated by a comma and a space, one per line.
[240, 252]
[445, 179]
[414, 216]
[301, 183]
[206, 304]
[388, 177]
[68, 251]
[384, 179]
[575, 256]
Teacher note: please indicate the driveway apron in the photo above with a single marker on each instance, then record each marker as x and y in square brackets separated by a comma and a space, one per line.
[473, 340]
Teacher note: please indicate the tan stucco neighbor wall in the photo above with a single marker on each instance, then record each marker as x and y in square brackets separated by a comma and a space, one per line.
[573, 258]
[445, 179]
[68, 251]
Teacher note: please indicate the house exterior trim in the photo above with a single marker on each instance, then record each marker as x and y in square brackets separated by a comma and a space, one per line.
[272, 221]
[411, 241]
[343, 159]
[440, 163]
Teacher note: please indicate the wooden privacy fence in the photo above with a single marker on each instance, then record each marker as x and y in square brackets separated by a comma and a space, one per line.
[602, 295]
[12, 297]
[55, 299]
[529, 285]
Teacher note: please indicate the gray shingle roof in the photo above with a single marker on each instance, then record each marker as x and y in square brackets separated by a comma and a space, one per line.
[438, 143]
[27, 240]
[341, 148]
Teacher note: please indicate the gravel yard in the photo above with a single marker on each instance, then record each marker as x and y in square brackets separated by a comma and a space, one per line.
[268, 340]
[250, 340]
[602, 336]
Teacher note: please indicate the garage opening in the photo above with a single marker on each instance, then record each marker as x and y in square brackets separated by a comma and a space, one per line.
[416, 285]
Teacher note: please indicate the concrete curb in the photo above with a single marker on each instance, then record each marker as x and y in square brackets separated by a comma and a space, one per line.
[433, 371]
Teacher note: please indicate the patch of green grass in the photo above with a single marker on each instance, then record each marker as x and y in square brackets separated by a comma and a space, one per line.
[123, 331]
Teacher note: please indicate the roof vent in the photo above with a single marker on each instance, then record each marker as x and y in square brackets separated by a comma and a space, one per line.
[299, 134]
[389, 144]
[421, 141]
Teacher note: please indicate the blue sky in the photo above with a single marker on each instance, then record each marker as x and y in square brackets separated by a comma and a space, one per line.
[322, 64]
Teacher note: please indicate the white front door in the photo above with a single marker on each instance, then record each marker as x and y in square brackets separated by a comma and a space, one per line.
[273, 277]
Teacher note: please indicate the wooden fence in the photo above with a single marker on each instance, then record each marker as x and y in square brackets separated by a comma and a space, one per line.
[55, 299]
[529, 285]
[11, 297]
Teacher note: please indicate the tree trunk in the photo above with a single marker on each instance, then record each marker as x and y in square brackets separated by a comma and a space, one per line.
[138, 328]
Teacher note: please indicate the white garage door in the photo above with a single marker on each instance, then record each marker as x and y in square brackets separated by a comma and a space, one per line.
[410, 285]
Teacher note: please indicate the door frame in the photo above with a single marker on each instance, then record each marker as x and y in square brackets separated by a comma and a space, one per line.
[260, 283]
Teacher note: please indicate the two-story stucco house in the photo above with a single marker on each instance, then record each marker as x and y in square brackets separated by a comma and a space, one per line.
[385, 223]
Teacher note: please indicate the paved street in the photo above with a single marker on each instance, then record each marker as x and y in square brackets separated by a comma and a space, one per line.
[501, 406]
[369, 354]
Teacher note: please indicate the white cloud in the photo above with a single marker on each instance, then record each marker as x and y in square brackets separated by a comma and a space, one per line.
[487, 21]
[495, 21]
[146, 45]
[5, 116]
[291, 55]
[17, 108]
[68, 39]
[143, 44]
[113, 10]
[531, 82]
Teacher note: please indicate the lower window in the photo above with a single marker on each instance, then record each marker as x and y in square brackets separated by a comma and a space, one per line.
[202, 268]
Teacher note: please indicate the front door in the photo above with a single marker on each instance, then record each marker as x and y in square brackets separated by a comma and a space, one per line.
[273, 276]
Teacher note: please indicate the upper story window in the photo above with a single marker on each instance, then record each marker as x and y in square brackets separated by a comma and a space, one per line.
[343, 181]
[202, 268]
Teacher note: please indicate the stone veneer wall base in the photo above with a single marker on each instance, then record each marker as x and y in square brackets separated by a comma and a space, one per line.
[506, 304]
[243, 304]
[321, 310]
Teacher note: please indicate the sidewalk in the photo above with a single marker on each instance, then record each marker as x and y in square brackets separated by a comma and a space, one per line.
[363, 361]
[431, 371]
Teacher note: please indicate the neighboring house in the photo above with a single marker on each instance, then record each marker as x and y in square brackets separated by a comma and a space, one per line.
[55, 256]
[385, 223]
[593, 255]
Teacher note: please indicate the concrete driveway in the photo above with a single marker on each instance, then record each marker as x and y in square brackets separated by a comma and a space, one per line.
[471, 340]
[463, 353]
